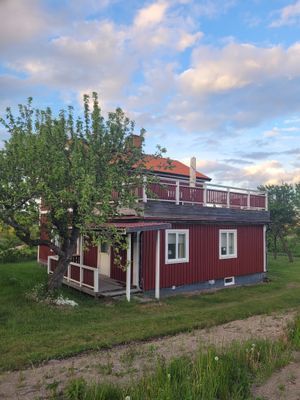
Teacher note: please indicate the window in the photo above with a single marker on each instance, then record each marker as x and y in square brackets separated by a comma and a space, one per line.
[229, 281]
[104, 247]
[177, 246]
[228, 243]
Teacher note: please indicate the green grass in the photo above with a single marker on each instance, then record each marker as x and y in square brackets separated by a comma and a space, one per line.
[32, 332]
[226, 374]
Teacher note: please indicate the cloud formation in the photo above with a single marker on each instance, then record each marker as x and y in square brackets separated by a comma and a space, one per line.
[288, 15]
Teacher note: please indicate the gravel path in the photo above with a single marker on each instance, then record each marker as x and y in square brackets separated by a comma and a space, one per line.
[126, 362]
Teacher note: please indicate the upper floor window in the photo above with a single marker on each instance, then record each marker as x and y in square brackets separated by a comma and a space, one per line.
[228, 243]
[177, 246]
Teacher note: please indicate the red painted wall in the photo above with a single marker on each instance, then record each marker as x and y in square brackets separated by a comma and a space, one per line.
[90, 255]
[44, 251]
[116, 272]
[204, 263]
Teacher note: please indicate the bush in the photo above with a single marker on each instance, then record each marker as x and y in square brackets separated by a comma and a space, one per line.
[17, 254]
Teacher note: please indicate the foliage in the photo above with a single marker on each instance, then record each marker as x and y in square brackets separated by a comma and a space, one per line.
[226, 373]
[73, 165]
[8, 238]
[32, 332]
[284, 210]
[17, 254]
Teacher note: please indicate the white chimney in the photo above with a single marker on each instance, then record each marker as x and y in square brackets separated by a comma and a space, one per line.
[193, 172]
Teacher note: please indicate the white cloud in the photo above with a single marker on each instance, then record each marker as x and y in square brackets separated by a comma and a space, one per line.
[238, 65]
[249, 176]
[20, 21]
[277, 131]
[151, 15]
[288, 15]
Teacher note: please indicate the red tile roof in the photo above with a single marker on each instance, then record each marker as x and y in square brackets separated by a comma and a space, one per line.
[170, 166]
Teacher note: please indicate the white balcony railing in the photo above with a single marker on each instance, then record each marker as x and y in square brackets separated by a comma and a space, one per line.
[204, 194]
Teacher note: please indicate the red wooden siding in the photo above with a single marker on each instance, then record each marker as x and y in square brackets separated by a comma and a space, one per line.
[90, 255]
[116, 272]
[44, 251]
[204, 263]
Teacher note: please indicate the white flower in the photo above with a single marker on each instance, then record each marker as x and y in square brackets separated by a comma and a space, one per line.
[253, 344]
[169, 376]
[127, 398]
[217, 358]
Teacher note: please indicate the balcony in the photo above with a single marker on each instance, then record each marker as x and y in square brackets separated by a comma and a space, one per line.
[204, 195]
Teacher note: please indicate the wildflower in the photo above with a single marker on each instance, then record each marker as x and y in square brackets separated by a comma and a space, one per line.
[253, 344]
[216, 358]
[127, 398]
[169, 376]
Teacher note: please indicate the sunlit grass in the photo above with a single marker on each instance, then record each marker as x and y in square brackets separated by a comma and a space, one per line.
[31, 332]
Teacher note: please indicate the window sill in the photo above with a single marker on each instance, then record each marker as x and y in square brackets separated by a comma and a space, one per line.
[228, 257]
[178, 261]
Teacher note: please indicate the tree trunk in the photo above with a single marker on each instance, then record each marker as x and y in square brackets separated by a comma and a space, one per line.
[286, 249]
[56, 279]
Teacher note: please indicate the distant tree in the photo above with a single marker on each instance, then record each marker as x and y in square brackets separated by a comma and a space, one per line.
[73, 166]
[283, 210]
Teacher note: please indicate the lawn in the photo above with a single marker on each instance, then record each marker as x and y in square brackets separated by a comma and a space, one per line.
[32, 332]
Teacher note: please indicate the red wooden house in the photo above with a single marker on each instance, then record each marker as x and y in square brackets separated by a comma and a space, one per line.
[189, 235]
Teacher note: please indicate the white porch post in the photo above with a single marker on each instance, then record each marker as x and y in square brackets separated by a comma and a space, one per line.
[136, 260]
[128, 269]
[157, 266]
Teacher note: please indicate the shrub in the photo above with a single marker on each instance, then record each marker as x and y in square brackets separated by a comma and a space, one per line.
[17, 254]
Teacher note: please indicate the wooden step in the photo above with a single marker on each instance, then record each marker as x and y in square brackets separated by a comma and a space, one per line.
[115, 293]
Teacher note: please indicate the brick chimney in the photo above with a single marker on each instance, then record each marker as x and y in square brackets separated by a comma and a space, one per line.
[137, 141]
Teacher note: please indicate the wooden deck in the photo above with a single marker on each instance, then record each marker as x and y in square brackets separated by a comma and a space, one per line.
[108, 287]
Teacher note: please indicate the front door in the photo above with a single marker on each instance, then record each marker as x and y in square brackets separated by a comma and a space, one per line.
[104, 259]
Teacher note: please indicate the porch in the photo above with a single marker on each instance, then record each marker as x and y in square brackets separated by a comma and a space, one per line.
[89, 279]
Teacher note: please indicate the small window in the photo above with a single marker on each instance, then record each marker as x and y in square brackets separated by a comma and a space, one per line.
[228, 243]
[104, 247]
[177, 246]
[229, 281]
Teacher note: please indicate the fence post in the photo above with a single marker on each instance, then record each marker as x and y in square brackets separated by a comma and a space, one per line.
[144, 189]
[177, 193]
[204, 194]
[248, 200]
[228, 197]
[96, 280]
[68, 273]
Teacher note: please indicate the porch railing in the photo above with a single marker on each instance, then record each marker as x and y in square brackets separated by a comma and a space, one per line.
[207, 195]
[82, 275]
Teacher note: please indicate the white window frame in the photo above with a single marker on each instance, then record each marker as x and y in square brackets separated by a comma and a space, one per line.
[226, 256]
[229, 283]
[177, 232]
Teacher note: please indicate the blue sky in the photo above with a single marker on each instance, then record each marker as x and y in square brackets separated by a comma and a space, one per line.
[215, 79]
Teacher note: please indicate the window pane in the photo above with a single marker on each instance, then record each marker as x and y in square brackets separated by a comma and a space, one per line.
[181, 246]
[171, 246]
[231, 243]
[223, 244]
[104, 247]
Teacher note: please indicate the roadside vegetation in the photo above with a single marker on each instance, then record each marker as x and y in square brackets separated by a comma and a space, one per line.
[226, 374]
[32, 332]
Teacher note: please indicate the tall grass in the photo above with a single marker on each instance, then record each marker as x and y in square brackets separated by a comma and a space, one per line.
[225, 374]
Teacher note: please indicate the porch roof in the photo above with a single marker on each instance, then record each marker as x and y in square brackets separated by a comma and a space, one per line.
[141, 226]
